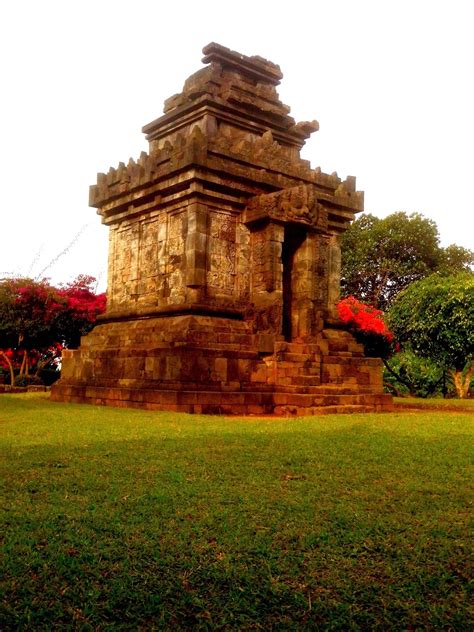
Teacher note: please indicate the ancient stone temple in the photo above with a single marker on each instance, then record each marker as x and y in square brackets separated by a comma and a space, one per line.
[224, 263]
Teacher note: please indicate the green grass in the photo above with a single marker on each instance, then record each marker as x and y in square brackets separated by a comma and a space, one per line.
[122, 520]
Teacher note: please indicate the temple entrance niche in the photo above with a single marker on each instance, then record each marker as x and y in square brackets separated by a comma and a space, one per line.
[294, 238]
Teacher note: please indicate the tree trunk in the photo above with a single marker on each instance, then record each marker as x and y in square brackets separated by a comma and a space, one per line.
[22, 366]
[462, 381]
[10, 366]
[25, 364]
[406, 383]
[393, 390]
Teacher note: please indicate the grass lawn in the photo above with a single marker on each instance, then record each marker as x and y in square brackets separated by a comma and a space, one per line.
[119, 519]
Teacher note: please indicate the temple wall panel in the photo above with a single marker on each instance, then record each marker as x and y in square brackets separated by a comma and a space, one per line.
[124, 264]
[148, 276]
[175, 289]
[242, 259]
[222, 251]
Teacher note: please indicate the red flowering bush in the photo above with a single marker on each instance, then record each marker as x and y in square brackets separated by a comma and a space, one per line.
[81, 308]
[368, 326]
[37, 320]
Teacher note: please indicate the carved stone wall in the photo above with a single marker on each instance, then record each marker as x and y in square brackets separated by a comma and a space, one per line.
[222, 255]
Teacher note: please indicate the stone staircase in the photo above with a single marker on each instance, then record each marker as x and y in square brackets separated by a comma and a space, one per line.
[328, 376]
[297, 365]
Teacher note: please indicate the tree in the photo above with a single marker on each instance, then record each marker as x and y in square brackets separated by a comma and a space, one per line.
[434, 317]
[380, 257]
[455, 259]
[82, 307]
[408, 374]
[28, 313]
[37, 320]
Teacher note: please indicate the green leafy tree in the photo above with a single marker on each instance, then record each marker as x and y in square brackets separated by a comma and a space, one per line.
[381, 257]
[408, 374]
[455, 259]
[434, 317]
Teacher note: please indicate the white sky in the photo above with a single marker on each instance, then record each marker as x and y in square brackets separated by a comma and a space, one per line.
[391, 83]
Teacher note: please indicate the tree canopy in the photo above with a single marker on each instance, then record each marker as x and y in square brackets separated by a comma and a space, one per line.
[381, 257]
[435, 318]
[37, 319]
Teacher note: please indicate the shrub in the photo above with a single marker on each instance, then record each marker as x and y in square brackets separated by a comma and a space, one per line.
[368, 326]
[49, 376]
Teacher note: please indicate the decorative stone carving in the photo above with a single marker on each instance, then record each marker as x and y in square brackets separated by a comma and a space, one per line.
[224, 262]
[221, 270]
[296, 204]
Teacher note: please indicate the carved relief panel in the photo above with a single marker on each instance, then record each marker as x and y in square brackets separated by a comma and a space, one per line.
[175, 287]
[221, 269]
[148, 269]
[123, 265]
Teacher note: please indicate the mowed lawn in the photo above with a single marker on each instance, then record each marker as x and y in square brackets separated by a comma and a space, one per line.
[128, 520]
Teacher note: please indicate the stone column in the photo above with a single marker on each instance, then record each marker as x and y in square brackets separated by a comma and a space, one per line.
[303, 316]
[196, 246]
[111, 274]
[274, 236]
[266, 273]
[334, 274]
[161, 237]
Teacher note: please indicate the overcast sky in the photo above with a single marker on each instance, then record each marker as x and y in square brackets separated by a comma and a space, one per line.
[390, 82]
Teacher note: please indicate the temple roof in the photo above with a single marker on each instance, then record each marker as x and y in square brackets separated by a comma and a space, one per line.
[256, 68]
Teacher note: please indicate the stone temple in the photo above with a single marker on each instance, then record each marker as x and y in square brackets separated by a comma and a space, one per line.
[224, 263]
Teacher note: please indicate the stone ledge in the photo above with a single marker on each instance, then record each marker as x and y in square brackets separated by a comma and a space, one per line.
[225, 403]
[33, 388]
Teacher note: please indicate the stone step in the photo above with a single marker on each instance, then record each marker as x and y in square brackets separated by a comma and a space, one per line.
[336, 346]
[219, 402]
[286, 356]
[348, 359]
[324, 389]
[295, 347]
[336, 333]
[290, 377]
[326, 346]
[306, 380]
[310, 364]
[349, 350]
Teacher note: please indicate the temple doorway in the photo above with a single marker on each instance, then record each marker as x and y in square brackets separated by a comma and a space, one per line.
[294, 237]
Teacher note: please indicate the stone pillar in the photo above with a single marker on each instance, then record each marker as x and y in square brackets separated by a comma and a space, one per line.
[161, 257]
[303, 316]
[274, 236]
[196, 246]
[111, 273]
[266, 273]
[334, 274]
[317, 281]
